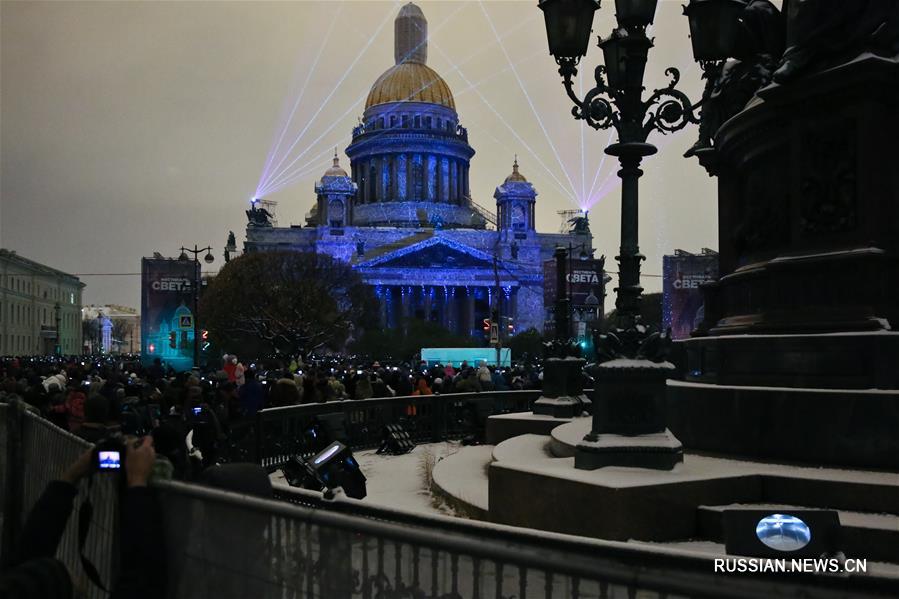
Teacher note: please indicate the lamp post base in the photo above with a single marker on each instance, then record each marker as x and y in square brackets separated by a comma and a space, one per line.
[658, 451]
[629, 418]
[563, 388]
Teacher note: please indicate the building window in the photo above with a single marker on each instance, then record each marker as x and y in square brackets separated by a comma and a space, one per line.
[417, 121]
[405, 121]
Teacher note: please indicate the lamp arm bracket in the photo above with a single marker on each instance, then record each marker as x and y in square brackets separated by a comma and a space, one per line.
[668, 109]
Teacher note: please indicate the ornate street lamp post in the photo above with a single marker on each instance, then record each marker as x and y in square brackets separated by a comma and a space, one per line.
[208, 258]
[628, 409]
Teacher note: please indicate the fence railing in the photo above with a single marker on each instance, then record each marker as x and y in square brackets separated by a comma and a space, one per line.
[225, 545]
[278, 433]
[34, 452]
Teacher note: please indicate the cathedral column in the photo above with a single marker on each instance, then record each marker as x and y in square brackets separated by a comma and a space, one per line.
[374, 185]
[384, 176]
[440, 298]
[469, 309]
[410, 182]
[382, 305]
[405, 292]
[393, 194]
[431, 177]
[438, 194]
[427, 302]
[465, 191]
[402, 178]
[454, 188]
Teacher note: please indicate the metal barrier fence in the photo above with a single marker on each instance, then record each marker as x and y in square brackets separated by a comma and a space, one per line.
[34, 453]
[277, 433]
[224, 545]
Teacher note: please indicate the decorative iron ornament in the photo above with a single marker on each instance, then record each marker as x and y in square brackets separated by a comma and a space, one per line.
[667, 110]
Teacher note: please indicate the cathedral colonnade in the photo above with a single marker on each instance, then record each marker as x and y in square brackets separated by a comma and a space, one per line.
[411, 176]
[459, 308]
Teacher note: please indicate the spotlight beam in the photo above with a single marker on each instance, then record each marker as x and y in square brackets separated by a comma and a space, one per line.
[274, 151]
[527, 96]
[285, 170]
[333, 91]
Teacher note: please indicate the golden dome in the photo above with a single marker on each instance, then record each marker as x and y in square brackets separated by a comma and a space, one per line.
[410, 82]
[335, 170]
[515, 176]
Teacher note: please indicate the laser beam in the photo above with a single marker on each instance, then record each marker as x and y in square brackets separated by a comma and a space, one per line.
[274, 151]
[335, 88]
[527, 96]
[285, 171]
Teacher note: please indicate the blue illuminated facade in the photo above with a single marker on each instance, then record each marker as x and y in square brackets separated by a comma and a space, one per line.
[404, 218]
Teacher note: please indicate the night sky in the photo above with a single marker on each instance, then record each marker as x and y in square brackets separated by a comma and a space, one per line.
[128, 128]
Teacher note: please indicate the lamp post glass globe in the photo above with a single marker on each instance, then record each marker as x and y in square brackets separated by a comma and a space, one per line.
[714, 27]
[624, 54]
[568, 26]
[209, 258]
[183, 257]
[635, 12]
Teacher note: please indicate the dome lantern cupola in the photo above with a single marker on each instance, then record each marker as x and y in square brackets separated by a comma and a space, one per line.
[515, 202]
[411, 35]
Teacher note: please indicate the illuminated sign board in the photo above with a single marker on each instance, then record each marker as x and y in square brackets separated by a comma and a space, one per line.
[167, 318]
[682, 302]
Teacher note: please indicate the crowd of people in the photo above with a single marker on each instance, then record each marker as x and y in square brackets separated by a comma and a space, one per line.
[178, 424]
[94, 397]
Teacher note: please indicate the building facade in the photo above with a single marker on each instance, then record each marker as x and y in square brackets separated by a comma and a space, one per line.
[113, 329]
[404, 217]
[40, 308]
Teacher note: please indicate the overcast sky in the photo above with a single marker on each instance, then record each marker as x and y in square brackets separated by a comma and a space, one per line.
[133, 127]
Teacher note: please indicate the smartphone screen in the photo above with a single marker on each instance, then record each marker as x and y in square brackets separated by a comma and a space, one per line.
[197, 410]
[110, 460]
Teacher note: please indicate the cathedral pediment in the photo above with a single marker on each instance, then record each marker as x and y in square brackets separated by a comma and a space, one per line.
[433, 253]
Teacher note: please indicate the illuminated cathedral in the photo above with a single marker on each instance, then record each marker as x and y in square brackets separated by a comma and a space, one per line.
[404, 218]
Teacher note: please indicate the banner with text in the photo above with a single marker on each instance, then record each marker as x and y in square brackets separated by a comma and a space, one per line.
[682, 301]
[167, 318]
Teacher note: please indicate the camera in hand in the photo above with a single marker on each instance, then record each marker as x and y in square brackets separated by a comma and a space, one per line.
[109, 454]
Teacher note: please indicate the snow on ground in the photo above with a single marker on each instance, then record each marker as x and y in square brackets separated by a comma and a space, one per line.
[400, 481]
[464, 475]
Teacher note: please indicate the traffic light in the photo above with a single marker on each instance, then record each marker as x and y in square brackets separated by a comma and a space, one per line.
[511, 326]
[486, 325]
[204, 340]
[173, 340]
